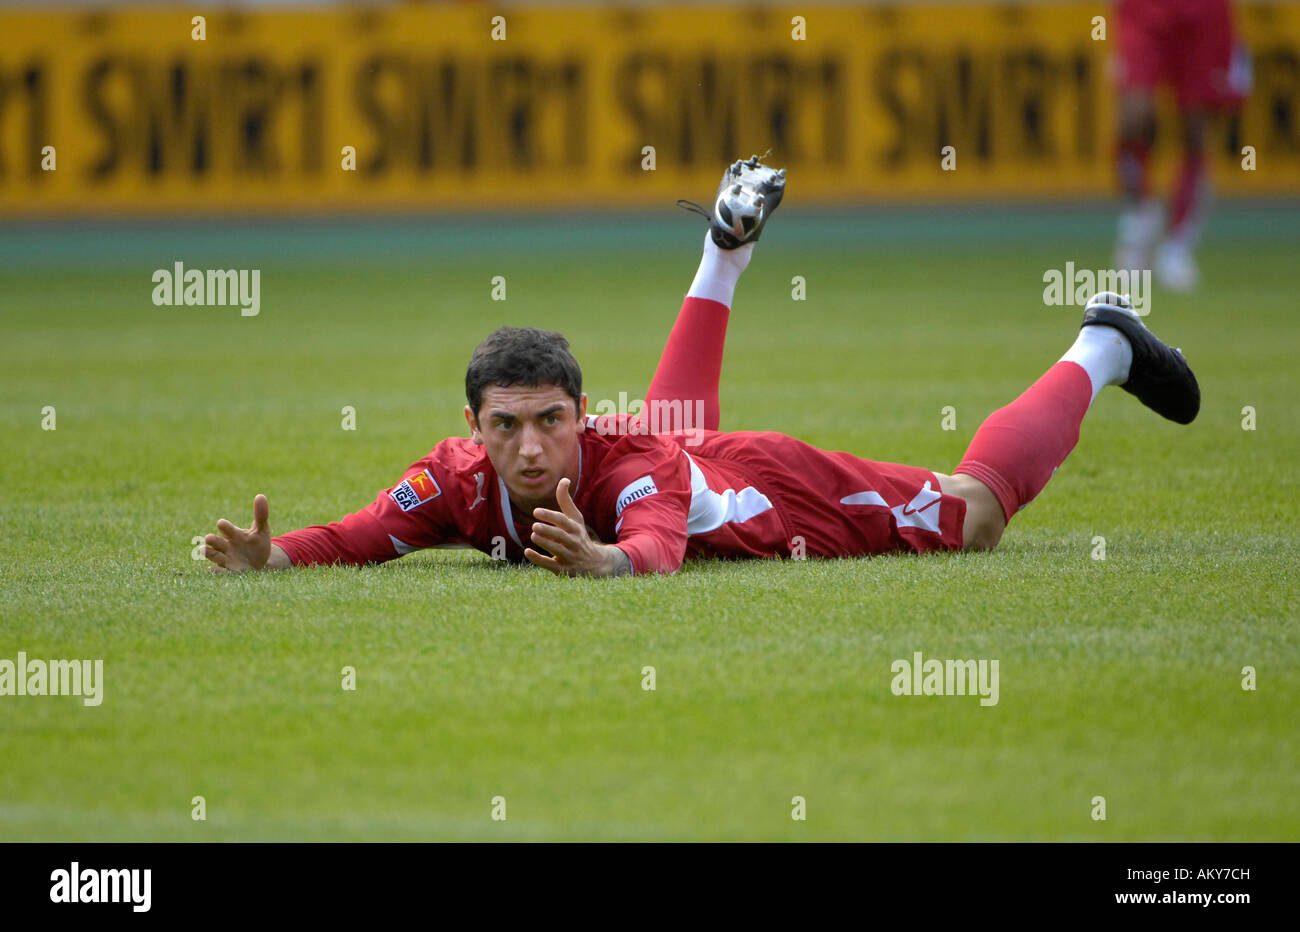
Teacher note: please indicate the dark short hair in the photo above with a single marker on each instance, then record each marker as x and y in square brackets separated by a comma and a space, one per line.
[522, 356]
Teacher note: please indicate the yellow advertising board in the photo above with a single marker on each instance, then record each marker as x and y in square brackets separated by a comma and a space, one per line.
[423, 107]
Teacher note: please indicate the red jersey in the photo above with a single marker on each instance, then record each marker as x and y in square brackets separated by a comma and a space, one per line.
[659, 498]
[1189, 44]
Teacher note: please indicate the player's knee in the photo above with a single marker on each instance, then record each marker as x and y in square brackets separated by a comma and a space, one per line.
[984, 533]
[985, 520]
[1137, 121]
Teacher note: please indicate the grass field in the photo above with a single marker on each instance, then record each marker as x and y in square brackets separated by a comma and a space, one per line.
[1119, 678]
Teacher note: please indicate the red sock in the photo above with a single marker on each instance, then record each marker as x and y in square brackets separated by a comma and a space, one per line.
[691, 365]
[1132, 158]
[1187, 191]
[1018, 447]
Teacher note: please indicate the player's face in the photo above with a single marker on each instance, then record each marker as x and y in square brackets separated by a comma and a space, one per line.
[531, 436]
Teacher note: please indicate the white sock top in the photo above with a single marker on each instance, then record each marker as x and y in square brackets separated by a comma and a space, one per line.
[719, 271]
[1104, 353]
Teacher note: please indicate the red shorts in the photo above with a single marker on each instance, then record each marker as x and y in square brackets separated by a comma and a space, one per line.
[1188, 44]
[843, 506]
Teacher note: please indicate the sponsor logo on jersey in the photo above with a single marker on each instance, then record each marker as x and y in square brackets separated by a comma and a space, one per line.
[634, 492]
[415, 491]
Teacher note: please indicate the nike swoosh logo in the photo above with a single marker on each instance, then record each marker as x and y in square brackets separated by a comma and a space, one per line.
[917, 511]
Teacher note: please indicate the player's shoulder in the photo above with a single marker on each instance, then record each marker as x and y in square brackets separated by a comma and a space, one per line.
[628, 462]
[458, 455]
[453, 470]
[607, 425]
[618, 435]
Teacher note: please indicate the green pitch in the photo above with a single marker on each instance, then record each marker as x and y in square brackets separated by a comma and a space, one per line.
[1119, 678]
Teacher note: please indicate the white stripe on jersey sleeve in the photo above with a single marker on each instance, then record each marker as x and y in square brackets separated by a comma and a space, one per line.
[402, 547]
[506, 513]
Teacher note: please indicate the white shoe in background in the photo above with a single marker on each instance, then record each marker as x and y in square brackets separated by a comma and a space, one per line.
[1139, 227]
[1175, 266]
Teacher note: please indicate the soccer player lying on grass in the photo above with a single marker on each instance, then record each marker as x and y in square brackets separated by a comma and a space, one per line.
[541, 480]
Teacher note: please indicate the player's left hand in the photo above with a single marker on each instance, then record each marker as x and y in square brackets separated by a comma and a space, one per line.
[564, 534]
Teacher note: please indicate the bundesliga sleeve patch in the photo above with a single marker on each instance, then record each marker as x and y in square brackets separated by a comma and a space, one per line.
[415, 491]
[634, 492]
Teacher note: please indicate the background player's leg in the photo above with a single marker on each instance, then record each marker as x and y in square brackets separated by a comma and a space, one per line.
[1018, 448]
[685, 385]
[1142, 63]
[1175, 264]
[1140, 218]
[1207, 78]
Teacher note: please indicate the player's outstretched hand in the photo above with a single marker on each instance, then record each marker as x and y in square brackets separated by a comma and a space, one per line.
[564, 534]
[237, 550]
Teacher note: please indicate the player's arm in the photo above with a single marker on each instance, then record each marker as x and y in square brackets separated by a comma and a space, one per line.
[237, 550]
[653, 531]
[412, 515]
[647, 486]
[573, 551]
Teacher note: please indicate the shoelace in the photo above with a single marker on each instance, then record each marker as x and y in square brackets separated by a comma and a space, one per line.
[694, 208]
